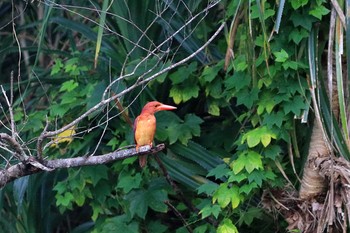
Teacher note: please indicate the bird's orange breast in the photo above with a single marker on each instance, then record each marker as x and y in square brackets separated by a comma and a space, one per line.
[145, 129]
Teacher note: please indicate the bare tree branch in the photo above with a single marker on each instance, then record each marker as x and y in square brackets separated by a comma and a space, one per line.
[34, 165]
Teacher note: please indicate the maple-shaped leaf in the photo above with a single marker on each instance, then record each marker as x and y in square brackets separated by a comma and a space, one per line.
[296, 105]
[250, 160]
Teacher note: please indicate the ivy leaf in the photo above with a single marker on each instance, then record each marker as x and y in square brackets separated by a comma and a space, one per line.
[262, 134]
[129, 182]
[64, 200]
[69, 86]
[275, 118]
[296, 105]
[138, 205]
[272, 152]
[208, 188]
[172, 127]
[56, 68]
[257, 177]
[210, 210]
[319, 11]
[219, 171]
[96, 173]
[281, 56]
[247, 97]
[238, 81]
[210, 72]
[266, 102]
[297, 35]
[183, 73]
[298, 3]
[235, 200]
[247, 188]
[222, 195]
[250, 160]
[156, 198]
[226, 226]
[303, 20]
[183, 93]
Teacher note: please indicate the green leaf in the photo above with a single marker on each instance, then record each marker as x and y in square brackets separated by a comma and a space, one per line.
[262, 134]
[96, 173]
[219, 171]
[281, 56]
[303, 20]
[69, 86]
[210, 210]
[222, 195]
[319, 11]
[208, 188]
[210, 72]
[238, 81]
[296, 105]
[64, 200]
[235, 200]
[184, 92]
[272, 152]
[250, 160]
[170, 126]
[155, 200]
[275, 118]
[119, 223]
[156, 227]
[183, 73]
[138, 204]
[298, 34]
[56, 68]
[298, 3]
[247, 188]
[247, 97]
[266, 102]
[226, 226]
[129, 182]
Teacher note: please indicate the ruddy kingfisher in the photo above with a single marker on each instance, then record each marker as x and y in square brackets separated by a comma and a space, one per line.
[145, 126]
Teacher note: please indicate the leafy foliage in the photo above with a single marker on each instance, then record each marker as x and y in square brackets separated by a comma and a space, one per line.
[224, 142]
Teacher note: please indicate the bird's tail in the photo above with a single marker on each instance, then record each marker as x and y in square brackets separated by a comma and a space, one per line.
[142, 160]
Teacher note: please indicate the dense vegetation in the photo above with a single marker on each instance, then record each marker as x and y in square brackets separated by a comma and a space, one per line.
[240, 132]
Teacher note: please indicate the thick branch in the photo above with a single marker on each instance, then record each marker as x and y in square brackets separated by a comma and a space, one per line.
[29, 168]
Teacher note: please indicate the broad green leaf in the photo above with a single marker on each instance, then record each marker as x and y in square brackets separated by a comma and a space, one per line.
[69, 86]
[222, 195]
[296, 105]
[319, 11]
[138, 203]
[129, 182]
[219, 171]
[298, 3]
[208, 188]
[210, 210]
[262, 134]
[155, 200]
[184, 92]
[65, 199]
[250, 160]
[210, 72]
[281, 56]
[226, 226]
[235, 199]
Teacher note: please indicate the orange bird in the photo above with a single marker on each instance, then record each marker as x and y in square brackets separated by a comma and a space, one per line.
[145, 126]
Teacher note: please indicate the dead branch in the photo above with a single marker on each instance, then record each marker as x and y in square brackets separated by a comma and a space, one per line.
[33, 165]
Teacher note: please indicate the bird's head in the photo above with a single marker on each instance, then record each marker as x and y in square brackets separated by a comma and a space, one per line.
[155, 106]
